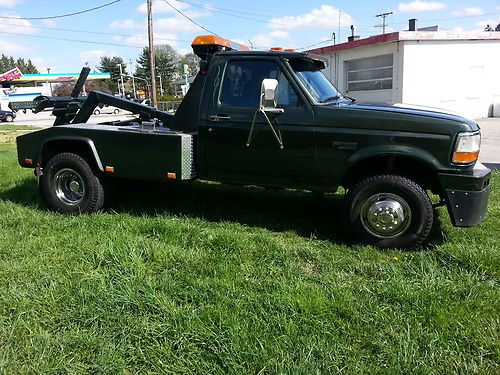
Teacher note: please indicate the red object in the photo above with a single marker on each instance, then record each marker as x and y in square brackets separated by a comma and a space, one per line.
[11, 75]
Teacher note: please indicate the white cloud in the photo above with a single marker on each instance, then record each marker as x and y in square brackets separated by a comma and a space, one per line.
[12, 48]
[126, 24]
[160, 6]
[92, 57]
[275, 38]
[482, 24]
[324, 17]
[9, 3]
[178, 24]
[141, 40]
[49, 23]
[420, 6]
[16, 25]
[473, 11]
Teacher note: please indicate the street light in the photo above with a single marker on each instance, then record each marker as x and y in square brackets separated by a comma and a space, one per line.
[121, 79]
[49, 84]
[161, 86]
[133, 80]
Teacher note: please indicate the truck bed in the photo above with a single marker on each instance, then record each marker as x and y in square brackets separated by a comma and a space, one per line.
[141, 151]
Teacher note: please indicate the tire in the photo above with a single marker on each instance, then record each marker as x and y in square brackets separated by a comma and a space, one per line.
[116, 111]
[389, 211]
[9, 118]
[97, 112]
[70, 186]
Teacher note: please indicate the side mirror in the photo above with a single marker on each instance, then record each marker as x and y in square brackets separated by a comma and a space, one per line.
[268, 94]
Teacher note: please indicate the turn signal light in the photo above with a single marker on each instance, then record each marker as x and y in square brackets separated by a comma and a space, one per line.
[467, 148]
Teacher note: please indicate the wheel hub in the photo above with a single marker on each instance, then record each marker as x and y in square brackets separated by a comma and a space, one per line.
[69, 186]
[385, 215]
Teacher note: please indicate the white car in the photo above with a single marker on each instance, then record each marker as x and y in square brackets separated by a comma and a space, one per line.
[107, 110]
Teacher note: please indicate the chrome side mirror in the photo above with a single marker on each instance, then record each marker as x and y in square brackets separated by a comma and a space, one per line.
[268, 94]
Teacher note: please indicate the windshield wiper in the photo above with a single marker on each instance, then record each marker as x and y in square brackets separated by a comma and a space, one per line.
[330, 99]
[350, 98]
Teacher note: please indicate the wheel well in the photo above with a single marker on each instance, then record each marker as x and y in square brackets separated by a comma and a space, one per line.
[80, 148]
[416, 170]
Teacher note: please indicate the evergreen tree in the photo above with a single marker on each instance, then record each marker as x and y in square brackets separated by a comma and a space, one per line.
[8, 62]
[166, 60]
[111, 65]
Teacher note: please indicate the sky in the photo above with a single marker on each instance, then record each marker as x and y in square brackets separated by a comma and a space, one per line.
[68, 43]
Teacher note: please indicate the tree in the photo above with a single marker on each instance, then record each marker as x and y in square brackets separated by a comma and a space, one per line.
[112, 65]
[166, 60]
[8, 62]
[192, 61]
[65, 88]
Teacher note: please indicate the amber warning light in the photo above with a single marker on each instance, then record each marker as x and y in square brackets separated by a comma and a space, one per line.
[210, 44]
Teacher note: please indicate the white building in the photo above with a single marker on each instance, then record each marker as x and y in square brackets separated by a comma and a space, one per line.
[455, 71]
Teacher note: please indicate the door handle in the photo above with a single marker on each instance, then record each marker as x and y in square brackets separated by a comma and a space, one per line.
[215, 118]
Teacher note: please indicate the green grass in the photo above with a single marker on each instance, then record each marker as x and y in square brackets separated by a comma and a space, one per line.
[207, 279]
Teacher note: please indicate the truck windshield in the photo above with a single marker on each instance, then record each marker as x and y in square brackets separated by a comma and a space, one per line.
[320, 88]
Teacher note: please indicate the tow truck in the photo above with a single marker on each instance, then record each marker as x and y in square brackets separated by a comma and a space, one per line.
[271, 119]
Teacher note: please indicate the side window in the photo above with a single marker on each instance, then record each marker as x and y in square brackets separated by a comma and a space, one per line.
[242, 81]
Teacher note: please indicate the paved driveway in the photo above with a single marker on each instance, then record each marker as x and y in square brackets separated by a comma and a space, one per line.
[490, 142]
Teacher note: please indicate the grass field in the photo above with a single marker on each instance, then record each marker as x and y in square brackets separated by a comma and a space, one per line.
[208, 279]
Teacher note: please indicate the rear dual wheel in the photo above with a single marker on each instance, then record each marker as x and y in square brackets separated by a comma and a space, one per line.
[70, 185]
[389, 211]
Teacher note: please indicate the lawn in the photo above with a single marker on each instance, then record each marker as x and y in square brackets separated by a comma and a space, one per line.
[208, 279]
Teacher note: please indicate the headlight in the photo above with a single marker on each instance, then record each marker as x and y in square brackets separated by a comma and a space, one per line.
[467, 148]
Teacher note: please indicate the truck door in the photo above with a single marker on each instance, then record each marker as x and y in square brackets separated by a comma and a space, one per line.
[232, 107]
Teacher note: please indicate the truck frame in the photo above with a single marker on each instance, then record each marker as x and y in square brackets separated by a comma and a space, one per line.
[270, 118]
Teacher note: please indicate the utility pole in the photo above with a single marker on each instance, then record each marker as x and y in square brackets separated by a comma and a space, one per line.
[121, 80]
[152, 54]
[133, 79]
[384, 24]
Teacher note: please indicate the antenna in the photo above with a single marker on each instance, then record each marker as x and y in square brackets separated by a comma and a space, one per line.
[384, 24]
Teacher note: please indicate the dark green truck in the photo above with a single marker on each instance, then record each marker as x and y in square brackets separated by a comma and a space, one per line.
[272, 119]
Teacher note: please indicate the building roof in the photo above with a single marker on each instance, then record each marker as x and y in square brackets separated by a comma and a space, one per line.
[408, 36]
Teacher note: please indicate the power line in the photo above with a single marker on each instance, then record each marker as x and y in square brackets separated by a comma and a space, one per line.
[91, 32]
[63, 15]
[71, 40]
[190, 19]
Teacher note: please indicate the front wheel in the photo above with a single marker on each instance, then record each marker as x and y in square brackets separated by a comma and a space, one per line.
[70, 186]
[9, 118]
[389, 212]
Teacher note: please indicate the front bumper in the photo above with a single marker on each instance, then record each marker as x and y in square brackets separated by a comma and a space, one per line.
[467, 196]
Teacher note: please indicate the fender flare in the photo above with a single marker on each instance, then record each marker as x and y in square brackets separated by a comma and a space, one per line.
[84, 140]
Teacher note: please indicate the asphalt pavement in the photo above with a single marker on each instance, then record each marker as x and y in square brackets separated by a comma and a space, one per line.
[490, 142]
[490, 129]
[45, 119]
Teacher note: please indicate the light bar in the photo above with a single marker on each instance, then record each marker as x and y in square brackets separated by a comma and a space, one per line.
[210, 44]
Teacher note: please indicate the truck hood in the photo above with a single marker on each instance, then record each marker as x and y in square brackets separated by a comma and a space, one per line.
[412, 110]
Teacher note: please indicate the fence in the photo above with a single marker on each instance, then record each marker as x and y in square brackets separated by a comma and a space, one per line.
[169, 106]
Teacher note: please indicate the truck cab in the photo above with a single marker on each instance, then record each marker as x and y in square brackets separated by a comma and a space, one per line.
[271, 118]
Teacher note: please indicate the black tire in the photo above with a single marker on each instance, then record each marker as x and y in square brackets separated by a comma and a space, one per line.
[116, 111]
[389, 211]
[97, 112]
[70, 186]
[9, 118]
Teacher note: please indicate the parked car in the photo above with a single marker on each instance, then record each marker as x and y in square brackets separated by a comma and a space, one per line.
[7, 116]
[107, 110]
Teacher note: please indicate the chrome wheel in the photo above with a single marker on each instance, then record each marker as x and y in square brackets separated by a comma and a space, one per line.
[69, 186]
[385, 215]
